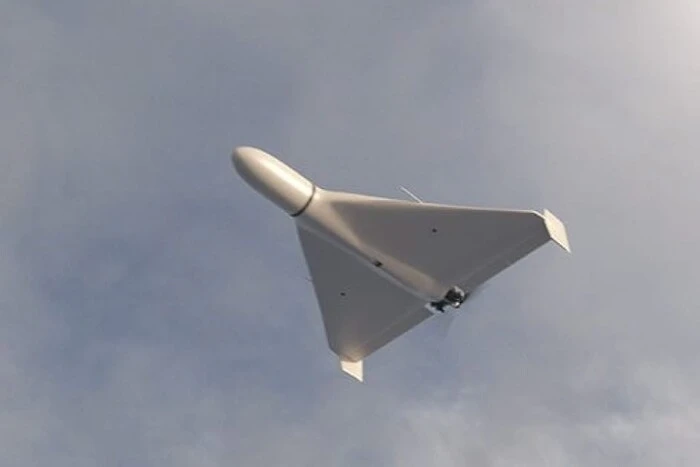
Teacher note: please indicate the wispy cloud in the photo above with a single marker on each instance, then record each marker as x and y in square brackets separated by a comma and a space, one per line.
[154, 310]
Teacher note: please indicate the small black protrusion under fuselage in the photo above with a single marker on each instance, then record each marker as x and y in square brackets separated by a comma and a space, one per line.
[454, 298]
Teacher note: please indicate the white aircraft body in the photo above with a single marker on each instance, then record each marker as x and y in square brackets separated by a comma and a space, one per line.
[381, 266]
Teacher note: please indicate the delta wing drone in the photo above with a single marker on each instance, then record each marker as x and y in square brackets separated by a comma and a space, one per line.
[381, 266]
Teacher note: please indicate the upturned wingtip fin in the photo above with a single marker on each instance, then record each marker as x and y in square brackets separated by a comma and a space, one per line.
[556, 230]
[354, 369]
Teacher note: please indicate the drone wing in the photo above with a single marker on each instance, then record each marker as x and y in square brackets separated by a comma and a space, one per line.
[454, 245]
[362, 311]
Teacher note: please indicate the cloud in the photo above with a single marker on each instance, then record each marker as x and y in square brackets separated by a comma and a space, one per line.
[155, 311]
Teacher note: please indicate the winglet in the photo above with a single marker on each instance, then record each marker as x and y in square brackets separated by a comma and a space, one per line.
[556, 230]
[354, 369]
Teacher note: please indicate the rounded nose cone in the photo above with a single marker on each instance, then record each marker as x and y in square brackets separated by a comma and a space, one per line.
[245, 159]
[276, 181]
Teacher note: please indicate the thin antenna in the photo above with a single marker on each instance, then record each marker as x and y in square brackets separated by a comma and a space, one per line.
[414, 197]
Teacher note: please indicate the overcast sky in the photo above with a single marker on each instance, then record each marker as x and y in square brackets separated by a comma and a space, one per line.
[154, 309]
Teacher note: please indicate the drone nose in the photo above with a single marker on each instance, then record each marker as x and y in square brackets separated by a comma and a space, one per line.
[245, 158]
[273, 179]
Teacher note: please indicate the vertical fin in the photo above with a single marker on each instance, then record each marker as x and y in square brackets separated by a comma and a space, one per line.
[556, 230]
[354, 369]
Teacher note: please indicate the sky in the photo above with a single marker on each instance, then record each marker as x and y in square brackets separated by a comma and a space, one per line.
[154, 310]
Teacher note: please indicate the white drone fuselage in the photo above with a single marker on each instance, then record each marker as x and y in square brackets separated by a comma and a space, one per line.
[312, 207]
[381, 266]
